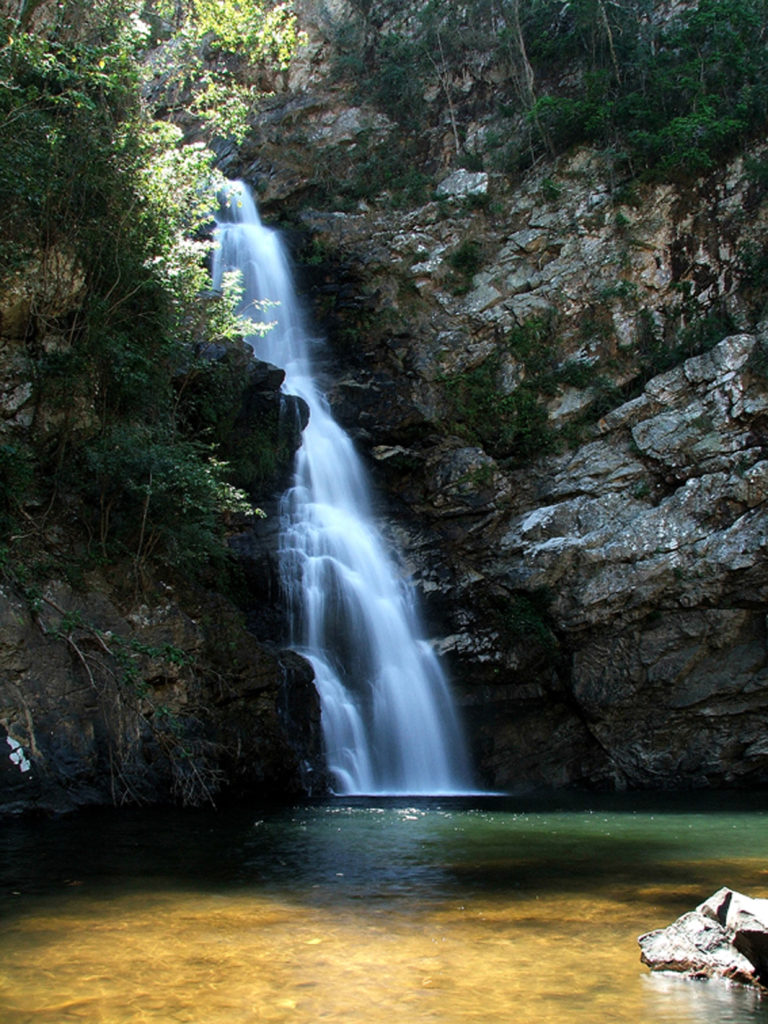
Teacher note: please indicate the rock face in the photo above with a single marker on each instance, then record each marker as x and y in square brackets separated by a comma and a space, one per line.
[649, 543]
[127, 689]
[724, 937]
[560, 382]
[608, 603]
[157, 704]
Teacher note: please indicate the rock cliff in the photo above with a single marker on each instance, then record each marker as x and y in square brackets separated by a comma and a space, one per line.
[123, 681]
[558, 373]
[560, 381]
[155, 704]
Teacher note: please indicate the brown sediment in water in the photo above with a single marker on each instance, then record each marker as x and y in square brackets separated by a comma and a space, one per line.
[163, 955]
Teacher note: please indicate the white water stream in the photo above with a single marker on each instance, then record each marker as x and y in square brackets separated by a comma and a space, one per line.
[388, 719]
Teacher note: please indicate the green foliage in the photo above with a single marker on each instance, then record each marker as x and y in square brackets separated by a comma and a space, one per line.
[394, 54]
[105, 207]
[397, 84]
[758, 360]
[465, 260]
[513, 425]
[157, 498]
[525, 619]
[218, 46]
[659, 351]
[368, 168]
[753, 259]
[756, 169]
[550, 190]
[680, 94]
[59, 108]
[16, 478]
[667, 97]
[625, 291]
[259, 31]
[211, 396]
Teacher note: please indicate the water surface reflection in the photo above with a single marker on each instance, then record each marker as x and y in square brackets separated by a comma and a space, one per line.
[441, 911]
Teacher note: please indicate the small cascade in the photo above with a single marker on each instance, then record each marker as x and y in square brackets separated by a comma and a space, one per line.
[388, 719]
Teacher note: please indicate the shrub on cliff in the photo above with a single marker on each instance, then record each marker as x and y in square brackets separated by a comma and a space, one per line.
[92, 186]
[669, 95]
[675, 95]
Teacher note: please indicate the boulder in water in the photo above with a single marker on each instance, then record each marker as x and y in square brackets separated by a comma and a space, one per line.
[725, 937]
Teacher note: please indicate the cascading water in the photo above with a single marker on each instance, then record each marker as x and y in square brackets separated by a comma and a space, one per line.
[388, 720]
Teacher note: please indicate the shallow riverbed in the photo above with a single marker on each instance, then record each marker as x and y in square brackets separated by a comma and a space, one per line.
[358, 911]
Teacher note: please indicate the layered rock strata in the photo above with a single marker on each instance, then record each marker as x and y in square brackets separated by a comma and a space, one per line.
[560, 381]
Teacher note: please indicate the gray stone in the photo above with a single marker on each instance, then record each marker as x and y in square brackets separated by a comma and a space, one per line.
[697, 946]
[334, 128]
[725, 937]
[483, 298]
[463, 183]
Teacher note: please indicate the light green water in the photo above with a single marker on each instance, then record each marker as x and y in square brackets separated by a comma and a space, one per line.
[349, 912]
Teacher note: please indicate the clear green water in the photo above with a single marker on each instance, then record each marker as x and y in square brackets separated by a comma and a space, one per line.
[346, 912]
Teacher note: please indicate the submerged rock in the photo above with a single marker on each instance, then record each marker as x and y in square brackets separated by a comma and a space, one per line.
[725, 937]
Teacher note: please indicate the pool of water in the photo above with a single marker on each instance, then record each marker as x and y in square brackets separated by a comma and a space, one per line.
[358, 911]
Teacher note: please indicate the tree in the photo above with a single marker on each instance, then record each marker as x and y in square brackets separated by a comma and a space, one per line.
[92, 186]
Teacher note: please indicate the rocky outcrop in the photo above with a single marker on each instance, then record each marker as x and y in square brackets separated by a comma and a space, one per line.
[608, 602]
[560, 381]
[33, 302]
[153, 703]
[131, 684]
[604, 604]
[725, 937]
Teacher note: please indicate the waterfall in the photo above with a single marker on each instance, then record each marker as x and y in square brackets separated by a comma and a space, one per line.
[389, 724]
